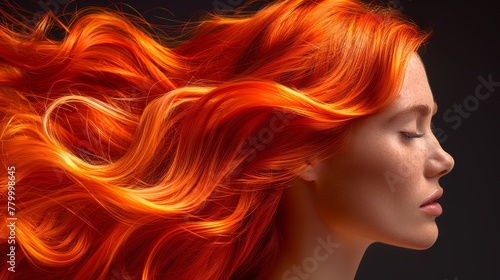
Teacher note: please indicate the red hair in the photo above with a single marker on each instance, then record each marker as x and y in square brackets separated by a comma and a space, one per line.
[166, 159]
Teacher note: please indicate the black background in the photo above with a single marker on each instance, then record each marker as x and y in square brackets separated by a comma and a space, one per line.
[464, 46]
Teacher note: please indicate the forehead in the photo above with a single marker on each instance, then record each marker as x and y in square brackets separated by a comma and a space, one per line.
[415, 89]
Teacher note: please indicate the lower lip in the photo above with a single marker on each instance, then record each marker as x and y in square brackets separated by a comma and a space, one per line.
[433, 209]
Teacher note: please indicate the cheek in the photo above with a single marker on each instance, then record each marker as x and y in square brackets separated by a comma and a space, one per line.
[367, 188]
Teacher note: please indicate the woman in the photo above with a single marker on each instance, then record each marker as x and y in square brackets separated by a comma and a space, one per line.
[273, 145]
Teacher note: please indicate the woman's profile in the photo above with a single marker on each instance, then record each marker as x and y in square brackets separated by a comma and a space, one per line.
[277, 144]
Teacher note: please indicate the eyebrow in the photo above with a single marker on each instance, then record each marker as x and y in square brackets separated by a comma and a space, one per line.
[421, 109]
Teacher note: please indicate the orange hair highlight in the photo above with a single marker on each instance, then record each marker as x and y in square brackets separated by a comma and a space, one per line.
[170, 160]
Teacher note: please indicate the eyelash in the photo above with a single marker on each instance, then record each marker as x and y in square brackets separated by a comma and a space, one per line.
[411, 135]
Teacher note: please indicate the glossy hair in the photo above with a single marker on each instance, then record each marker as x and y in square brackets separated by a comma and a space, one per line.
[142, 155]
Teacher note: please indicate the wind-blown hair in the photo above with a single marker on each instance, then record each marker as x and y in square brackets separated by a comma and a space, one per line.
[150, 156]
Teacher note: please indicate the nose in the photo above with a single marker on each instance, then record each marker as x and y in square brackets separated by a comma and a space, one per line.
[440, 163]
[447, 163]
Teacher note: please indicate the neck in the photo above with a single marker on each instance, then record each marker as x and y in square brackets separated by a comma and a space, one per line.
[313, 251]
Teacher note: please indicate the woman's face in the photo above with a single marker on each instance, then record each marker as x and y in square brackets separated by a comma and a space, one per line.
[379, 186]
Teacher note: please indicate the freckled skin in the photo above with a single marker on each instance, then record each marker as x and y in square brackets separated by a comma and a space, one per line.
[376, 187]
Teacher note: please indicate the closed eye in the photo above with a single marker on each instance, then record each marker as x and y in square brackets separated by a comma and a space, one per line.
[411, 135]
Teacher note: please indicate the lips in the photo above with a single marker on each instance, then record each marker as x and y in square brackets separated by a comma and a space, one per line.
[430, 206]
[432, 198]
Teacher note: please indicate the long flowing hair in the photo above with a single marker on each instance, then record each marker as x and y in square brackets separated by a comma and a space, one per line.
[135, 154]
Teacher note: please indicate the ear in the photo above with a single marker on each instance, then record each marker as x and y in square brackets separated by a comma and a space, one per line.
[310, 172]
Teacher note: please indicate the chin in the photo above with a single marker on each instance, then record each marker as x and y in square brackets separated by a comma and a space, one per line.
[417, 239]
[423, 240]
[423, 245]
